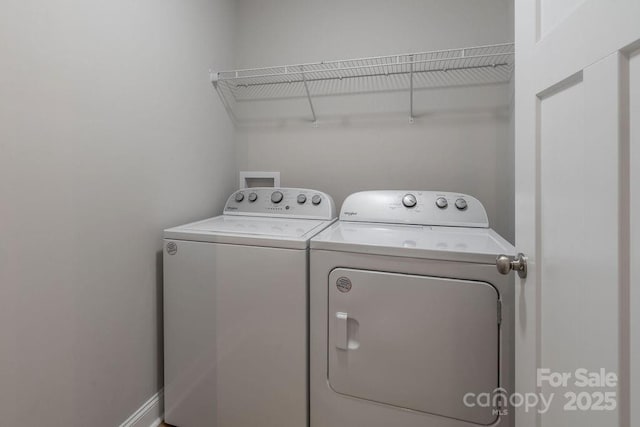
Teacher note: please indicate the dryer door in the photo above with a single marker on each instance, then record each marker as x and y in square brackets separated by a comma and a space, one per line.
[414, 342]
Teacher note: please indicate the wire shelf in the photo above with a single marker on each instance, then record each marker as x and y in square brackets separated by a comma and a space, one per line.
[405, 72]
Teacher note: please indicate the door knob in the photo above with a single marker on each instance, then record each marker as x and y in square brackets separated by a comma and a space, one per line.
[505, 264]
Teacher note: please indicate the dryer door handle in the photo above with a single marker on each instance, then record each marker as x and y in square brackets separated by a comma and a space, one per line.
[341, 331]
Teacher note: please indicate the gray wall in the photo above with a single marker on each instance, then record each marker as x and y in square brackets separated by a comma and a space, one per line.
[109, 132]
[461, 139]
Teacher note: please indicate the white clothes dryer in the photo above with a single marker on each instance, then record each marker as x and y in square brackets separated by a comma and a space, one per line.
[236, 311]
[410, 321]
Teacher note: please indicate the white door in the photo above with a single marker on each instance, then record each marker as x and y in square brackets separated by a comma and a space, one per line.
[577, 207]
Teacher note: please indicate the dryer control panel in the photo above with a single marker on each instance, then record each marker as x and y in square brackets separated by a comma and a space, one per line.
[281, 202]
[415, 207]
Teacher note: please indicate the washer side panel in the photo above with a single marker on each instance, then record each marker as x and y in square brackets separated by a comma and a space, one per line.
[235, 335]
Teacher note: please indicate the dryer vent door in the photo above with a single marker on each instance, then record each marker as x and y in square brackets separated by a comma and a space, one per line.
[414, 342]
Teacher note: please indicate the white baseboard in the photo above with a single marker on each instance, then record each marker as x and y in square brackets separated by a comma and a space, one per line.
[150, 414]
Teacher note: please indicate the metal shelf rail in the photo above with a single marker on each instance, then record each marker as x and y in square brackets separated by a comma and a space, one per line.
[442, 68]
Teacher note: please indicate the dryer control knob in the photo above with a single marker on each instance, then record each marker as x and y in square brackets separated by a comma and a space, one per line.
[316, 199]
[461, 204]
[239, 197]
[441, 202]
[302, 199]
[253, 197]
[409, 200]
[276, 197]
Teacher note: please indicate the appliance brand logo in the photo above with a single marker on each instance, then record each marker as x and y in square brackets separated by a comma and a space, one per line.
[232, 208]
[343, 284]
[350, 213]
[172, 248]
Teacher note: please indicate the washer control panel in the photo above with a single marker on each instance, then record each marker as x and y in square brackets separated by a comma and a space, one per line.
[415, 207]
[281, 202]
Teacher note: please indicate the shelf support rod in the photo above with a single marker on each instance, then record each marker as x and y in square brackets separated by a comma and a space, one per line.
[306, 88]
[215, 81]
[411, 120]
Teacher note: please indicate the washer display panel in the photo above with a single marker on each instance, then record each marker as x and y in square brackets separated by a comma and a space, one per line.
[415, 342]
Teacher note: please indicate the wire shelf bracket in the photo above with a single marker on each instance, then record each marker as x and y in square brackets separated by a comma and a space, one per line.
[411, 119]
[306, 89]
[409, 72]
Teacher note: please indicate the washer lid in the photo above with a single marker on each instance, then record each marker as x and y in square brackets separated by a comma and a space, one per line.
[249, 230]
[480, 245]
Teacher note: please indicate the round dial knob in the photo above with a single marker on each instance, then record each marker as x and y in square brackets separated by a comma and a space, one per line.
[239, 197]
[276, 197]
[316, 199]
[409, 200]
[461, 204]
[253, 197]
[302, 198]
[441, 202]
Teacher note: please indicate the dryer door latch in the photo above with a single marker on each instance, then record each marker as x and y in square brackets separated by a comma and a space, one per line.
[505, 264]
[341, 331]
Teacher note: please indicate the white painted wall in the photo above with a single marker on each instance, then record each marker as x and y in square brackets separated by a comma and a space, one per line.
[109, 132]
[462, 139]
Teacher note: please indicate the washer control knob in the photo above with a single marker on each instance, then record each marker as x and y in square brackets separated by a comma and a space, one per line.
[461, 204]
[441, 202]
[277, 196]
[239, 197]
[302, 199]
[253, 197]
[409, 200]
[316, 199]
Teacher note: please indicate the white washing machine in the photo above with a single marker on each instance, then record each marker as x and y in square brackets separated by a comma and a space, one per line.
[236, 311]
[410, 321]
